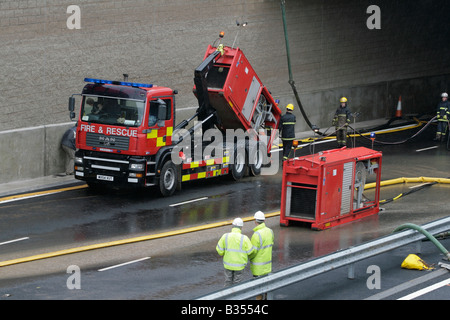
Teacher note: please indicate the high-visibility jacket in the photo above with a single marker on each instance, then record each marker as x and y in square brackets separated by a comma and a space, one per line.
[235, 249]
[262, 240]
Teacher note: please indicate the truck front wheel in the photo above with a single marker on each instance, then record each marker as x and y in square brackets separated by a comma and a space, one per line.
[168, 179]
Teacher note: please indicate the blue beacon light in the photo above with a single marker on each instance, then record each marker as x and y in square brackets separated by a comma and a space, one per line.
[122, 83]
[372, 137]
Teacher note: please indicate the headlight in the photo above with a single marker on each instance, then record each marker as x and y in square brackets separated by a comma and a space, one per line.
[78, 160]
[137, 166]
[135, 175]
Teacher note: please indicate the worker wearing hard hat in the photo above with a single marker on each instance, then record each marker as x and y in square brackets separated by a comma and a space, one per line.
[235, 249]
[342, 118]
[262, 239]
[443, 116]
[287, 129]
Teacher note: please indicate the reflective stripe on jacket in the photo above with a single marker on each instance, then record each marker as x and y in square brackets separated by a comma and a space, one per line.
[287, 126]
[342, 114]
[235, 249]
[262, 240]
[443, 111]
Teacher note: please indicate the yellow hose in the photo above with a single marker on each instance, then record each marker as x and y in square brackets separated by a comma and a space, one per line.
[384, 131]
[406, 180]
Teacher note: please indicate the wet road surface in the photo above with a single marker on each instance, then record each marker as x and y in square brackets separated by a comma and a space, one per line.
[187, 266]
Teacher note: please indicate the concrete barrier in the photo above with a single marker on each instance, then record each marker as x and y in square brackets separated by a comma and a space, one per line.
[32, 152]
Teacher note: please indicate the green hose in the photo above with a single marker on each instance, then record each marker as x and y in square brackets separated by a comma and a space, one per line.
[283, 13]
[427, 234]
[291, 78]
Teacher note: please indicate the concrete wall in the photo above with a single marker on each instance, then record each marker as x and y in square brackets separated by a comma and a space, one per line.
[162, 41]
[373, 101]
[32, 152]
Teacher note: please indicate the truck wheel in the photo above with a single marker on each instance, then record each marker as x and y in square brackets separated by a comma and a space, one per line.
[168, 179]
[257, 159]
[237, 168]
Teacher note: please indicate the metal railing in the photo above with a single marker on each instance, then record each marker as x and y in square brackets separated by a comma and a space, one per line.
[291, 275]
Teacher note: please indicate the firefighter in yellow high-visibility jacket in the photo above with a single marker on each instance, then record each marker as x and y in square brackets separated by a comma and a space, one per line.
[262, 239]
[235, 248]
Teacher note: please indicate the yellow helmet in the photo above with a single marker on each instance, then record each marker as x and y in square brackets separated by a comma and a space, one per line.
[343, 99]
[290, 106]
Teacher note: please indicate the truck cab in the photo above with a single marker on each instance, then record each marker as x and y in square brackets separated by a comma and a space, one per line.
[121, 128]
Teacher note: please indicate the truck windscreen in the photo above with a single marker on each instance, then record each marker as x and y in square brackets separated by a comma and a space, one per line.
[113, 105]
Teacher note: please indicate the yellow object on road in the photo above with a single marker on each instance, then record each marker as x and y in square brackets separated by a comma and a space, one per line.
[414, 262]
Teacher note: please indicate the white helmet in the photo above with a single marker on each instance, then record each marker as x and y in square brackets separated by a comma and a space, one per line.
[260, 216]
[238, 222]
[444, 95]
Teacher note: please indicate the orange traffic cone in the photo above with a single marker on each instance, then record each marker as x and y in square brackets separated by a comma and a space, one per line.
[398, 113]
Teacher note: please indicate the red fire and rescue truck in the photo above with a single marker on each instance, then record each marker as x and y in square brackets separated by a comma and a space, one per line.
[126, 133]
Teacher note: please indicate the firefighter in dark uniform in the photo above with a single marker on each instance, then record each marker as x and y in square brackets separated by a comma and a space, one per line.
[287, 128]
[342, 118]
[443, 116]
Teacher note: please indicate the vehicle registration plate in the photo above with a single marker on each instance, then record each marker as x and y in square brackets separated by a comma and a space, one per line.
[105, 178]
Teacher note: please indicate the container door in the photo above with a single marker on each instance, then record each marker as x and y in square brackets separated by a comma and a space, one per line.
[250, 101]
[347, 192]
[331, 192]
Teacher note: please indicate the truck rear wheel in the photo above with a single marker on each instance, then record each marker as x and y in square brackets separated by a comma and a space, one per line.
[256, 159]
[238, 167]
[168, 179]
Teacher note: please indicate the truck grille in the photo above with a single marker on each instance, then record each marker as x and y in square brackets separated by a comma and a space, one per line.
[104, 141]
[105, 165]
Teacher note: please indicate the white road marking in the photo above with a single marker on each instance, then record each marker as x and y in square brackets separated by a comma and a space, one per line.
[181, 203]
[15, 240]
[424, 149]
[124, 264]
[420, 185]
[24, 198]
[425, 290]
